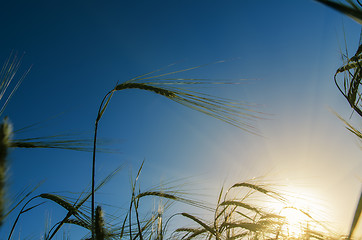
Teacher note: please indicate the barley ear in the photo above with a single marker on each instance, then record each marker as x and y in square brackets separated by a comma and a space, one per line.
[351, 9]
[143, 86]
[5, 135]
[99, 224]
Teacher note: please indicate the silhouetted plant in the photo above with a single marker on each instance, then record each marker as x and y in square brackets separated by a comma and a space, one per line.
[241, 216]
[235, 113]
[350, 84]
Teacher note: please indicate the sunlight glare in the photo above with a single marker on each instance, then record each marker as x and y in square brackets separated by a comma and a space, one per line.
[295, 221]
[303, 212]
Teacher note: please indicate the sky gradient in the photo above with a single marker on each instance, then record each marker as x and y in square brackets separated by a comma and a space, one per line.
[287, 50]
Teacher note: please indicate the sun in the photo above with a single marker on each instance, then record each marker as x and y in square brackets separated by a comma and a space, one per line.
[296, 222]
[303, 215]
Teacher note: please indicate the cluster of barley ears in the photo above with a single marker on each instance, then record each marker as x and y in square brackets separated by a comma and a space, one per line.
[242, 212]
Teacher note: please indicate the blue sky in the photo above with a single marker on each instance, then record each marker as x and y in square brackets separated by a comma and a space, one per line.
[289, 51]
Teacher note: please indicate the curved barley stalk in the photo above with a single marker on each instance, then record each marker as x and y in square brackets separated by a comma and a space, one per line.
[75, 208]
[84, 219]
[205, 226]
[238, 114]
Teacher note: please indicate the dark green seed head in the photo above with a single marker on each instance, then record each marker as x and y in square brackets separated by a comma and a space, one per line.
[99, 224]
[143, 86]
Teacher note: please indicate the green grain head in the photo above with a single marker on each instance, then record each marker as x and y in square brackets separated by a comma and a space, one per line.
[99, 224]
[5, 136]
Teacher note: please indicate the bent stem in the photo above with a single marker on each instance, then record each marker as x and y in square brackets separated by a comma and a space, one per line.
[99, 115]
[234, 113]
[101, 110]
[23, 210]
